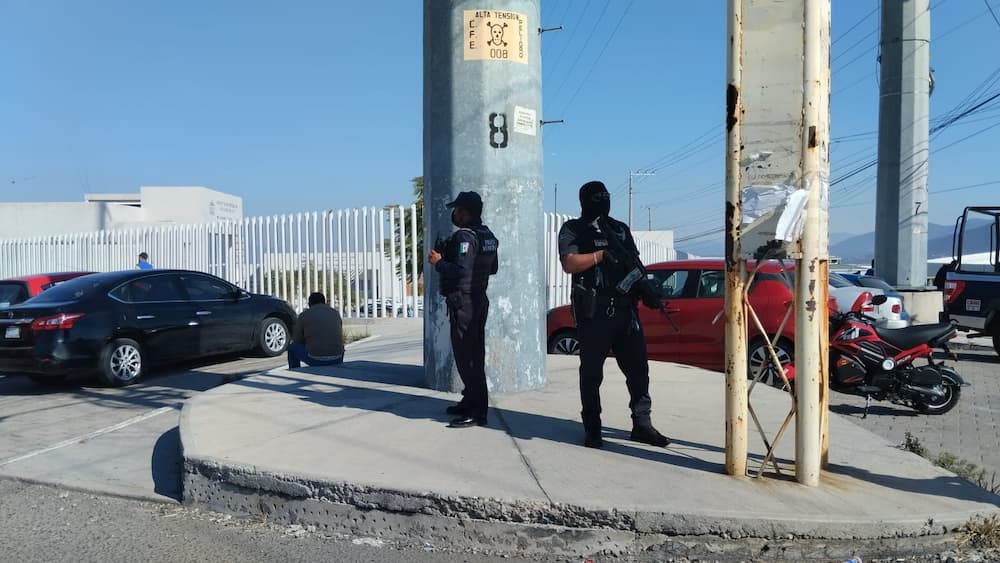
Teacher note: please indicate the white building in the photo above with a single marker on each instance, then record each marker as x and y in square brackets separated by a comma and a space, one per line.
[153, 205]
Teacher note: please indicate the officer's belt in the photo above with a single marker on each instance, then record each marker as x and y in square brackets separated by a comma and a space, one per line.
[616, 299]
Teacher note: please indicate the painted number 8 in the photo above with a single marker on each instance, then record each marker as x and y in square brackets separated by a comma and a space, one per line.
[498, 130]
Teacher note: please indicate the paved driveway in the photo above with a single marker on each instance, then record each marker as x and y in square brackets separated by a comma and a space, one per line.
[970, 431]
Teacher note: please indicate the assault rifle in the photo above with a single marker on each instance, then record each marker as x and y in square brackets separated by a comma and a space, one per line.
[627, 260]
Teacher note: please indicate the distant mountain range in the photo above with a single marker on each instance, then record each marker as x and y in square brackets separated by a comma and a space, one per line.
[860, 249]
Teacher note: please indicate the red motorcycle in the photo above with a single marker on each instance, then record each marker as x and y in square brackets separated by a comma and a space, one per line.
[878, 363]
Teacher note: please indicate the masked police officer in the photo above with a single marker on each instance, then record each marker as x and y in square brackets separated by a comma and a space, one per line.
[606, 318]
[465, 262]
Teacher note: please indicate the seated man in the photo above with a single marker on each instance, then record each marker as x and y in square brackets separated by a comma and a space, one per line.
[318, 338]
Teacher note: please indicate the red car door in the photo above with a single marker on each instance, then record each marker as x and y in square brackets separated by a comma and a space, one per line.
[701, 340]
[661, 338]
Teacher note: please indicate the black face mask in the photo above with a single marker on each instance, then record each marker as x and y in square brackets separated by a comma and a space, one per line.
[595, 201]
[454, 219]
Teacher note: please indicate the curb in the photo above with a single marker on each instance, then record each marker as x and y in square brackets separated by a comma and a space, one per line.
[968, 346]
[524, 528]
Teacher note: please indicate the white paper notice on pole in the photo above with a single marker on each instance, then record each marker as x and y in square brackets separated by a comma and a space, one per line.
[771, 91]
[525, 121]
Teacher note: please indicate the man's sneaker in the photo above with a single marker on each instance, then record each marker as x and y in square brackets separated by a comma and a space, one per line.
[648, 435]
[457, 408]
[593, 440]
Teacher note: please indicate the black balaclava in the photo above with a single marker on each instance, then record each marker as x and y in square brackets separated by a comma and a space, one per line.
[595, 201]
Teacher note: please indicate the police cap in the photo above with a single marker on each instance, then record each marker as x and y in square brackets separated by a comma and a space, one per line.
[469, 201]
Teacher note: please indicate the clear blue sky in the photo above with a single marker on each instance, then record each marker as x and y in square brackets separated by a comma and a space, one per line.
[302, 105]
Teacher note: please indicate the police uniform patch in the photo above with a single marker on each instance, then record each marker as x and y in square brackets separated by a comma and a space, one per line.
[463, 247]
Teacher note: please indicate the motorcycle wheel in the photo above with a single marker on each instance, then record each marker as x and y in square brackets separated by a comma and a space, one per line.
[944, 404]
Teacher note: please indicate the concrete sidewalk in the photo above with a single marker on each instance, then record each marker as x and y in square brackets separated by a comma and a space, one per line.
[363, 449]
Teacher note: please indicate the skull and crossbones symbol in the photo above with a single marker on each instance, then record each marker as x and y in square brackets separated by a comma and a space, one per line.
[496, 34]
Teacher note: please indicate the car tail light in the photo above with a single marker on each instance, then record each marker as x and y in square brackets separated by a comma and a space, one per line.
[952, 290]
[62, 321]
[863, 304]
[897, 308]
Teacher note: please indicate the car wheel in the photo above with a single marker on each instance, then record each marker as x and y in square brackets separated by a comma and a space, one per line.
[759, 355]
[566, 343]
[122, 362]
[996, 340]
[272, 337]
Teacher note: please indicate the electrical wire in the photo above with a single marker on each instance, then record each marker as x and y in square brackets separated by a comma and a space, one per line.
[579, 55]
[992, 13]
[597, 60]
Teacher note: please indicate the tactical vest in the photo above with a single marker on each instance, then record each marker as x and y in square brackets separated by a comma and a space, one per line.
[603, 277]
[483, 264]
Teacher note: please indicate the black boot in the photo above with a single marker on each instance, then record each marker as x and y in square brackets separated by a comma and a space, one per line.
[592, 433]
[457, 408]
[593, 440]
[648, 435]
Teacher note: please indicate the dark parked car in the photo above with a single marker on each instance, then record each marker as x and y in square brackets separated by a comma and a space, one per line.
[20, 289]
[119, 323]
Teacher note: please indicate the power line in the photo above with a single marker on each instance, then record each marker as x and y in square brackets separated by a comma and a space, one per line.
[598, 59]
[853, 27]
[992, 13]
[967, 187]
[569, 73]
[572, 34]
[965, 113]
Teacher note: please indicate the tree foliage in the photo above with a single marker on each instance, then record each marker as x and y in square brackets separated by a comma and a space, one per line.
[400, 233]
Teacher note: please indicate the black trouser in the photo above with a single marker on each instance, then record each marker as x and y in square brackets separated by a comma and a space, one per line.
[467, 313]
[613, 327]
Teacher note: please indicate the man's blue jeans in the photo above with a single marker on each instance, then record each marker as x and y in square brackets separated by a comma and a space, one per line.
[297, 355]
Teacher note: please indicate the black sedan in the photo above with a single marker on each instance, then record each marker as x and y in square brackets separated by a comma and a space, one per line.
[117, 324]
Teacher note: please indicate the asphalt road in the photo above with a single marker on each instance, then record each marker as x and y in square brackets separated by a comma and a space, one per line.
[46, 524]
[121, 441]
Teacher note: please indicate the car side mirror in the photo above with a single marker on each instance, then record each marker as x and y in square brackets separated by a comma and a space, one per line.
[879, 299]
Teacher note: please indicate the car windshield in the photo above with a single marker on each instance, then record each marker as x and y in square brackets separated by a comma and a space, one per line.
[12, 293]
[875, 283]
[837, 280]
[72, 290]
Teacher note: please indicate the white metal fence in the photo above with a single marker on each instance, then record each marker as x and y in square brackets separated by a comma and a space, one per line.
[363, 259]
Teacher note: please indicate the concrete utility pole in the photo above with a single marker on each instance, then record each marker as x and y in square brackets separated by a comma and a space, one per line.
[736, 272]
[904, 105]
[482, 99]
[632, 174]
[811, 314]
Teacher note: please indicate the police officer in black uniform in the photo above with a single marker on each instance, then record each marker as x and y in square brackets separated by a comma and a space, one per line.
[606, 319]
[465, 261]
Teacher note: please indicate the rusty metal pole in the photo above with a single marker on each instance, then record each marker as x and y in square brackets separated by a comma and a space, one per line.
[736, 321]
[811, 315]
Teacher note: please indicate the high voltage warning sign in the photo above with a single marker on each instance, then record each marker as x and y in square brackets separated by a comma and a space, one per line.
[496, 35]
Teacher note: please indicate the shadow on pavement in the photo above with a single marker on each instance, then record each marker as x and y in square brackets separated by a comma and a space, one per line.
[517, 424]
[944, 486]
[162, 387]
[166, 464]
[856, 411]
[531, 426]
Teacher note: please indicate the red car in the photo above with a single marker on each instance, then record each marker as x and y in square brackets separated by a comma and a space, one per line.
[16, 290]
[693, 293]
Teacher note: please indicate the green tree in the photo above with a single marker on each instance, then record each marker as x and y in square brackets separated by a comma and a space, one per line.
[403, 241]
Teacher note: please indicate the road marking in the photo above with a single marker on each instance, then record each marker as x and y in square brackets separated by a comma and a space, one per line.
[91, 435]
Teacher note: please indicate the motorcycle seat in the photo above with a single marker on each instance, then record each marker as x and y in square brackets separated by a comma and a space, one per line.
[913, 336]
